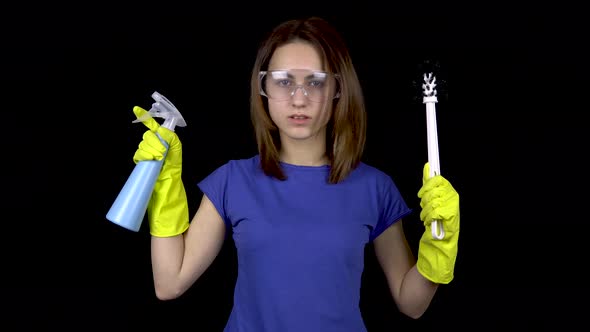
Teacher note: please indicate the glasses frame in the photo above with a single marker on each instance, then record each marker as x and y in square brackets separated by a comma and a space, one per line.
[294, 89]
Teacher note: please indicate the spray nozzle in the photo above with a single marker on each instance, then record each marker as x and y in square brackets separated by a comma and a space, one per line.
[163, 108]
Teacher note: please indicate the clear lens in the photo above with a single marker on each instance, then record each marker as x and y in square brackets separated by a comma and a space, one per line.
[282, 85]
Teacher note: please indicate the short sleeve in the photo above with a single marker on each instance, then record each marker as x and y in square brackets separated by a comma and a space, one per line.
[214, 186]
[392, 207]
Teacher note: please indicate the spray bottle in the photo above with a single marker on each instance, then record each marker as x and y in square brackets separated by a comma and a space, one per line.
[130, 206]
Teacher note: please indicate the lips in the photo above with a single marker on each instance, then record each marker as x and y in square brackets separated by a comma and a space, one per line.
[299, 117]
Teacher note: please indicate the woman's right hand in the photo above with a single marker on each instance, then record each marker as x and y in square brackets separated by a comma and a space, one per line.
[168, 207]
[152, 147]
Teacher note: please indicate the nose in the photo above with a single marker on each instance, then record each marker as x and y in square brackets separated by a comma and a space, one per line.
[297, 97]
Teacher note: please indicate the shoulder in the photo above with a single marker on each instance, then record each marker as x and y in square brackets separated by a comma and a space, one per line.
[386, 191]
[374, 177]
[239, 163]
[234, 171]
[249, 166]
[371, 173]
[245, 164]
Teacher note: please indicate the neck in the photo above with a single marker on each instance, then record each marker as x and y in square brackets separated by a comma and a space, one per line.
[308, 152]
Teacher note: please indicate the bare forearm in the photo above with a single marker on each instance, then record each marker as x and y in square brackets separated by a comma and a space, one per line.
[416, 293]
[167, 257]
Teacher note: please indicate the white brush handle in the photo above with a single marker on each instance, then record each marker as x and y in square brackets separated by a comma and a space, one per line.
[432, 137]
[430, 100]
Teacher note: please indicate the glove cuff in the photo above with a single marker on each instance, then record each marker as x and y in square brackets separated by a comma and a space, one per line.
[436, 258]
[168, 207]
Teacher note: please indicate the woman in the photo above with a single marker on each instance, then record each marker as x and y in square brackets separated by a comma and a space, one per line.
[301, 210]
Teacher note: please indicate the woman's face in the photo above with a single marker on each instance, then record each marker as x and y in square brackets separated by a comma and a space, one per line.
[294, 70]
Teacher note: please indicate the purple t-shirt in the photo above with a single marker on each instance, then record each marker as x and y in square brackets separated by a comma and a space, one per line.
[300, 242]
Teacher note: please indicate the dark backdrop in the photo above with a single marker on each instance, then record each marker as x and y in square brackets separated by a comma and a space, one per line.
[511, 139]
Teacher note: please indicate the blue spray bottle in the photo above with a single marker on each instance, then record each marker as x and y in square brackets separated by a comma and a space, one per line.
[130, 206]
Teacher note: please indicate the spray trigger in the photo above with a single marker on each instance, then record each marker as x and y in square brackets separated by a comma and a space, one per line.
[142, 118]
[163, 108]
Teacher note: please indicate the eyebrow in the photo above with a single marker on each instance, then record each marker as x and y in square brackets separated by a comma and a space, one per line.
[312, 75]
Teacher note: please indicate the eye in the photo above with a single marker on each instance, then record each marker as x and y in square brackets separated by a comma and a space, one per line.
[283, 83]
[316, 84]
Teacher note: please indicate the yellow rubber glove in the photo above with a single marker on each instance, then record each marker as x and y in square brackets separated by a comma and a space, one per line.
[439, 201]
[168, 207]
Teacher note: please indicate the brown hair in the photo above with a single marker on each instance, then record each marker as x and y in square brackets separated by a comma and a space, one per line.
[346, 129]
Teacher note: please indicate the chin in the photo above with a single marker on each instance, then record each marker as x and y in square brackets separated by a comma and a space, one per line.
[299, 135]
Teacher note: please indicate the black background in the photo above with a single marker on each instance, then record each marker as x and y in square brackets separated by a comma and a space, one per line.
[512, 104]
